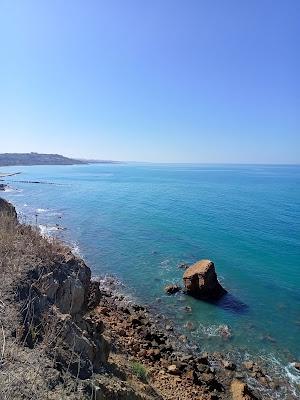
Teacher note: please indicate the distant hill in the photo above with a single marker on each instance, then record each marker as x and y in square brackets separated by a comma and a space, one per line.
[7, 159]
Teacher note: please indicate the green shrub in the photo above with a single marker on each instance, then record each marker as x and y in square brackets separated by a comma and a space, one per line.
[139, 370]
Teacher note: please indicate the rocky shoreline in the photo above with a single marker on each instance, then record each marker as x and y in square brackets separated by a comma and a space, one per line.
[92, 341]
[171, 357]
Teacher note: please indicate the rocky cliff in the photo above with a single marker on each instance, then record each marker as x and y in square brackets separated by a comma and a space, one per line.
[64, 337]
[53, 344]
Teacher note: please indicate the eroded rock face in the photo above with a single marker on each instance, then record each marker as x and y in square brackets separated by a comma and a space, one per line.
[83, 338]
[200, 280]
[7, 208]
[61, 298]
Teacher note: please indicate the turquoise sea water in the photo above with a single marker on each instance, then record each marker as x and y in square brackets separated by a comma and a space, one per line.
[139, 221]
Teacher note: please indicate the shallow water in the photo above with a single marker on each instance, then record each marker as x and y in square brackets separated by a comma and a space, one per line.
[139, 221]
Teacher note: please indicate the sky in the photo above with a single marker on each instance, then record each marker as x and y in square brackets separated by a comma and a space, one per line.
[206, 81]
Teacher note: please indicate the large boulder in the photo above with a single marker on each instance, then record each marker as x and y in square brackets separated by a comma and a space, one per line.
[200, 280]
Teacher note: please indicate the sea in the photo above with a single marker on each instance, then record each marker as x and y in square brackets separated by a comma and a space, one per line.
[140, 222]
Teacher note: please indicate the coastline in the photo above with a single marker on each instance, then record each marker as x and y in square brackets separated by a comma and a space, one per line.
[170, 358]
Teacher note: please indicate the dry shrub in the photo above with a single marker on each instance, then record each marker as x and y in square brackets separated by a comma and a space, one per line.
[27, 373]
[22, 247]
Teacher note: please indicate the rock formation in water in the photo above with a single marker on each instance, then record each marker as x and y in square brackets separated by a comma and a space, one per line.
[200, 280]
[172, 289]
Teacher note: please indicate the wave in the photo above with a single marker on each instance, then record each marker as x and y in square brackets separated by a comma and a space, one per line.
[47, 230]
[9, 190]
[75, 249]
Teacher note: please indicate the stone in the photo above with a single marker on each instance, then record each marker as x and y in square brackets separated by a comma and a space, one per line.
[229, 365]
[183, 265]
[183, 338]
[173, 369]
[189, 325]
[190, 375]
[103, 310]
[203, 359]
[297, 366]
[224, 332]
[240, 391]
[200, 281]
[153, 354]
[186, 358]
[249, 365]
[172, 289]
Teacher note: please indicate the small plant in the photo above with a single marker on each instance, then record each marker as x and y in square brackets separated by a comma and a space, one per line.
[139, 370]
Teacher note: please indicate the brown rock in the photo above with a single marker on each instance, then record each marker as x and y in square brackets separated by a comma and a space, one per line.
[183, 338]
[200, 280]
[172, 289]
[249, 365]
[103, 310]
[153, 354]
[228, 365]
[173, 369]
[240, 391]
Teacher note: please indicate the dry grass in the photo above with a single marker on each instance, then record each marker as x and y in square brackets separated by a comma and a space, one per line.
[26, 373]
[23, 247]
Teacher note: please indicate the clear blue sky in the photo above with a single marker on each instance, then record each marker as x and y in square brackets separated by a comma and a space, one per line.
[152, 80]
